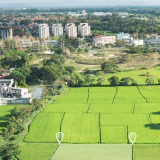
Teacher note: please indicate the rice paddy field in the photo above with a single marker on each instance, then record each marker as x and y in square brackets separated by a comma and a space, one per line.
[96, 122]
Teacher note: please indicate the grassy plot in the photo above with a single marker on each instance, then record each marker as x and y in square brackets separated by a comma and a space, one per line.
[146, 152]
[36, 151]
[4, 112]
[81, 128]
[111, 108]
[145, 134]
[124, 119]
[93, 152]
[66, 108]
[44, 128]
[136, 75]
[114, 134]
[128, 95]
[151, 93]
[146, 108]
[74, 96]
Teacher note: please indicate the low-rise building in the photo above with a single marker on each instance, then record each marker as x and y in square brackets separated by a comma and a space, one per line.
[123, 14]
[24, 43]
[138, 42]
[50, 43]
[76, 14]
[10, 94]
[102, 13]
[124, 37]
[152, 41]
[104, 40]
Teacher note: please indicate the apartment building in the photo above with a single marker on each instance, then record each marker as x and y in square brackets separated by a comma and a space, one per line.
[57, 30]
[43, 31]
[84, 29]
[71, 30]
[6, 32]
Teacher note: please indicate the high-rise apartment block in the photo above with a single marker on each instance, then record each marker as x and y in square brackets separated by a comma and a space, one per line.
[43, 31]
[84, 29]
[57, 30]
[6, 32]
[71, 30]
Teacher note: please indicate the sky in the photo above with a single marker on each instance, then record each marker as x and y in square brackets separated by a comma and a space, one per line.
[77, 3]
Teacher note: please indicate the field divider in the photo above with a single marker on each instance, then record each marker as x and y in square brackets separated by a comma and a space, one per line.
[115, 94]
[142, 94]
[88, 95]
[134, 105]
[100, 136]
[62, 122]
[89, 107]
[132, 152]
[149, 116]
[127, 134]
[54, 152]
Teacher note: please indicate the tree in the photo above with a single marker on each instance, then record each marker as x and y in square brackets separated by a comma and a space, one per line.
[159, 80]
[149, 81]
[50, 73]
[80, 50]
[114, 80]
[109, 67]
[19, 77]
[86, 50]
[9, 151]
[89, 79]
[76, 80]
[120, 43]
[69, 69]
[127, 81]
[149, 49]
[101, 80]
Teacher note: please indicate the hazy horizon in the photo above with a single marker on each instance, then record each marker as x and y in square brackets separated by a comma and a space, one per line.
[67, 3]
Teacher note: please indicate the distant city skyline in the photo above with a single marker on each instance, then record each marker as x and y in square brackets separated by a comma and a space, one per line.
[49, 3]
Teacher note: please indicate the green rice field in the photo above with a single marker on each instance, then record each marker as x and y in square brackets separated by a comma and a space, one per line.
[94, 119]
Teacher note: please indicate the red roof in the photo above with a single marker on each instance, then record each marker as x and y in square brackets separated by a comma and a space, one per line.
[2, 77]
